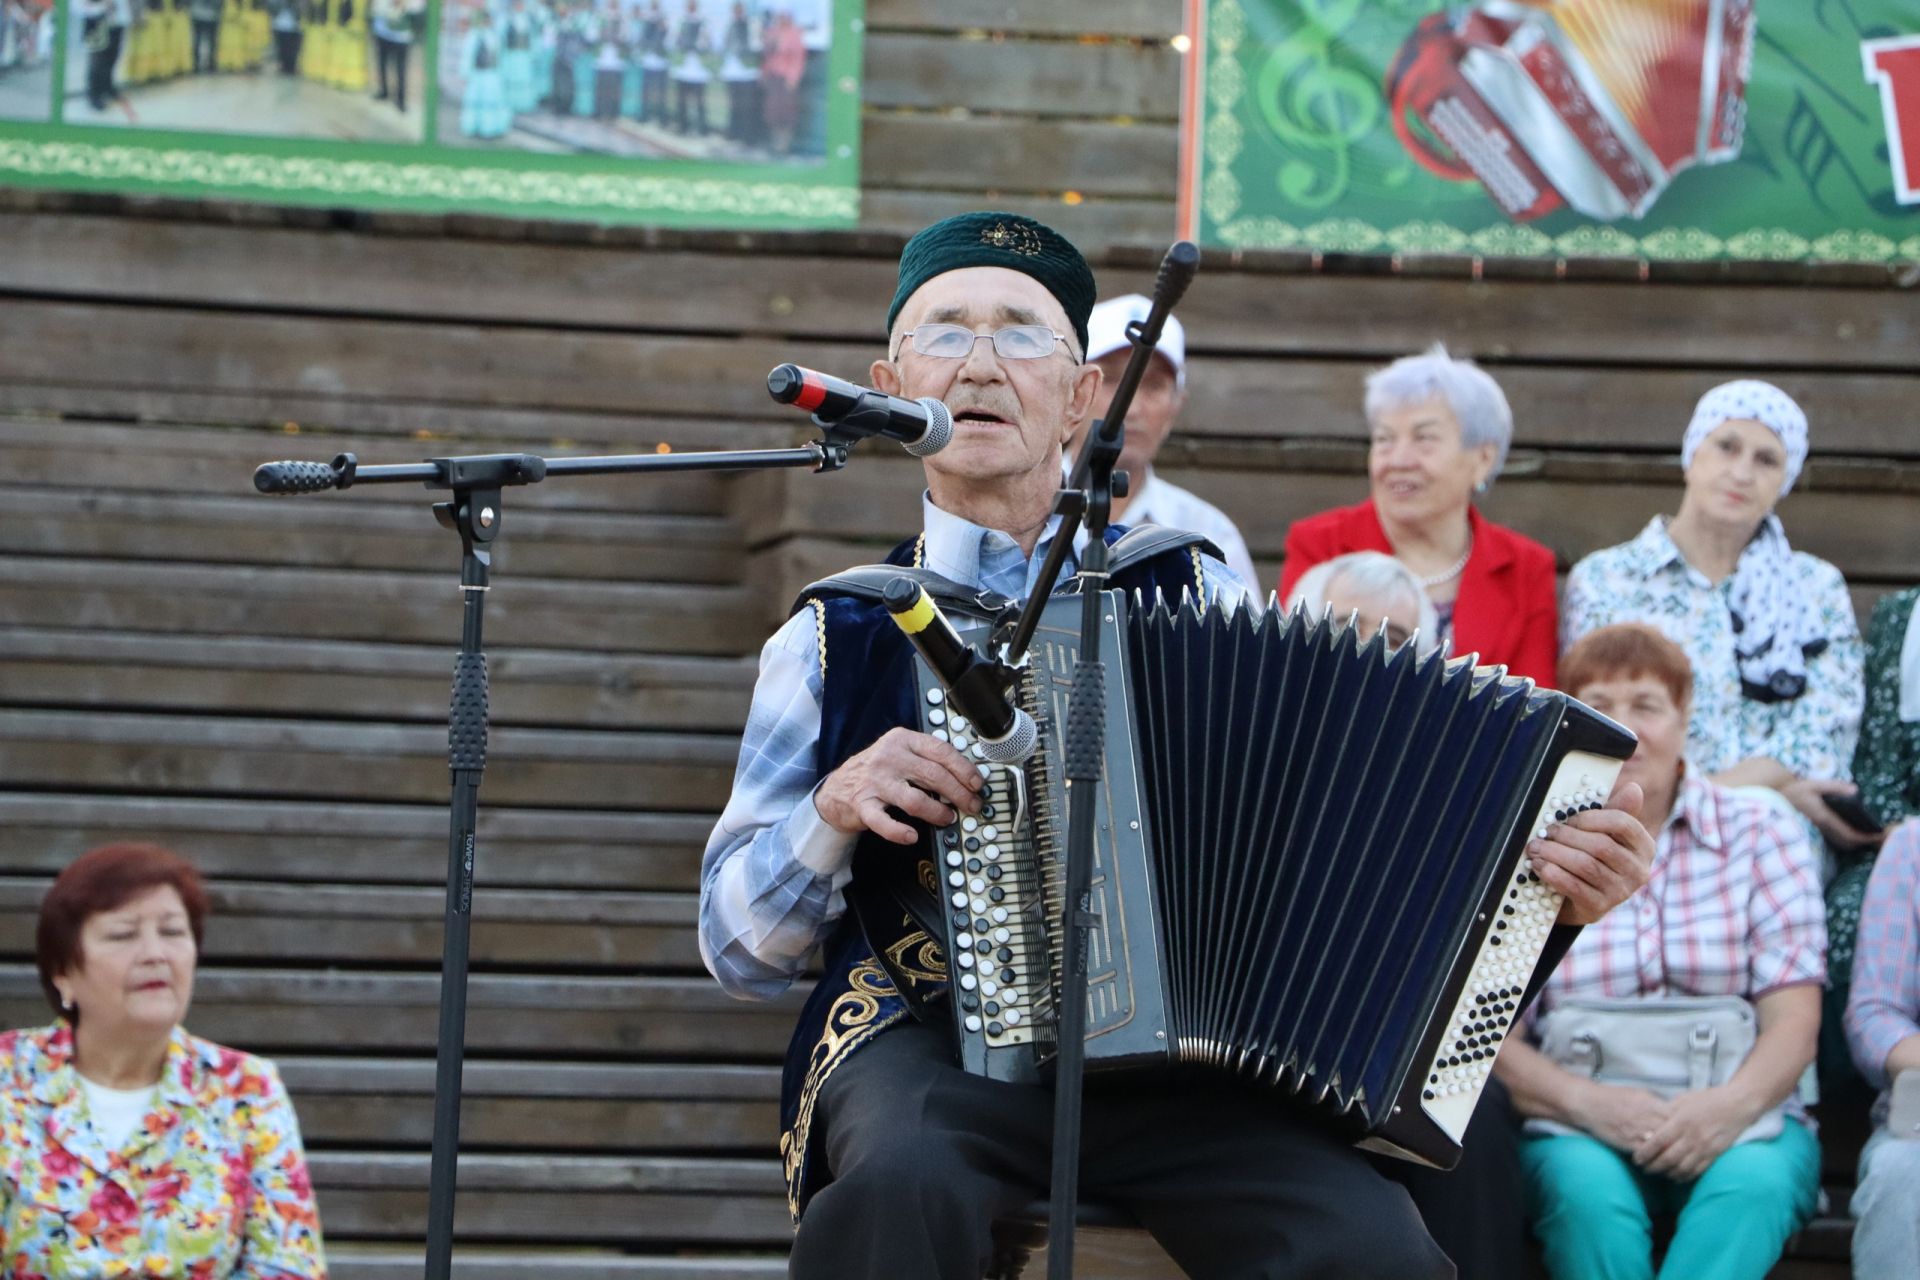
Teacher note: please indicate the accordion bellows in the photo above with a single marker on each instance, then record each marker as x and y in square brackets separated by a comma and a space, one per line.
[1309, 867]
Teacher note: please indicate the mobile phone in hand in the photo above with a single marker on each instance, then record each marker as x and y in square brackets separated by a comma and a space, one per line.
[1849, 810]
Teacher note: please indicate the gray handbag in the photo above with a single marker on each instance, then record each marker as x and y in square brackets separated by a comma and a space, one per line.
[1667, 1045]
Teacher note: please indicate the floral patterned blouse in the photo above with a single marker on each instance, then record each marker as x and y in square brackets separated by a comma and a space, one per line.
[1648, 580]
[212, 1184]
[1887, 766]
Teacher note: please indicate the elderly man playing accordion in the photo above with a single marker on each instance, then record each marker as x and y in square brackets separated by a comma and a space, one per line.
[897, 1160]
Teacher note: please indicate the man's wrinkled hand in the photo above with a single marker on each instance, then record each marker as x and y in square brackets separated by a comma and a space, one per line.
[914, 773]
[1598, 859]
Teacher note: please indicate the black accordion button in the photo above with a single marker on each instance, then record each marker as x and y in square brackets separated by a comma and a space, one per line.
[973, 844]
[974, 865]
[970, 1003]
[1008, 975]
[995, 1029]
[983, 946]
[993, 872]
[993, 1007]
[1005, 954]
[997, 894]
[980, 925]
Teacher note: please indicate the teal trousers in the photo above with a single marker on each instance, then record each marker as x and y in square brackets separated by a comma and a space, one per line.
[1592, 1208]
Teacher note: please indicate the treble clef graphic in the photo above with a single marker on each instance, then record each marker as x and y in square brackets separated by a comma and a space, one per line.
[1317, 106]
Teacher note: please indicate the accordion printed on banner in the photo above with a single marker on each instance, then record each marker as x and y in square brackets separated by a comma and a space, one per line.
[1591, 104]
[1594, 104]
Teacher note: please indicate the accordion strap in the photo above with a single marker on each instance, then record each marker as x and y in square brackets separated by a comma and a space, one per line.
[867, 583]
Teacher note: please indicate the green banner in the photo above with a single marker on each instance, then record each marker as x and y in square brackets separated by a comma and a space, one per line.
[1652, 129]
[674, 112]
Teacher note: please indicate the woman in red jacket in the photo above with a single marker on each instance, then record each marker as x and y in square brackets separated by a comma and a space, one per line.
[1439, 432]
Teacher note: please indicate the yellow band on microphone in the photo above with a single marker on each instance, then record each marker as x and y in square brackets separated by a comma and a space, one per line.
[919, 616]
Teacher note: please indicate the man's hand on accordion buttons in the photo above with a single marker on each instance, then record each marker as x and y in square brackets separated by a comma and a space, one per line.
[903, 775]
[1596, 860]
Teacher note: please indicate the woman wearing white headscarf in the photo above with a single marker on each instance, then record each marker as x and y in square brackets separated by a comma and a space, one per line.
[1770, 631]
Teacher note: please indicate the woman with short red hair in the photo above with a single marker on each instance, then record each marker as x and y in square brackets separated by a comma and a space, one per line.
[133, 1147]
[1660, 1068]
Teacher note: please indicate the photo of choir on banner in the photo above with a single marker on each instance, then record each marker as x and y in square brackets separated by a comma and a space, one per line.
[689, 79]
[343, 70]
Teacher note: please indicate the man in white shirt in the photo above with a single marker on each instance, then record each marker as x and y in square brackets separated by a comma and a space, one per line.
[1157, 402]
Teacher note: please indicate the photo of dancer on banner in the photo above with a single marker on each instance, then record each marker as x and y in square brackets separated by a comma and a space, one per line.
[26, 59]
[655, 79]
[344, 70]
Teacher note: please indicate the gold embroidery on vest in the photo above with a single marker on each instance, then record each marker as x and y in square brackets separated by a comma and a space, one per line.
[925, 964]
[820, 633]
[852, 1020]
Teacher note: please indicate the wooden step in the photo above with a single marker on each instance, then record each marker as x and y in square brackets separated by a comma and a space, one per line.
[278, 1011]
[378, 924]
[136, 670]
[204, 755]
[321, 841]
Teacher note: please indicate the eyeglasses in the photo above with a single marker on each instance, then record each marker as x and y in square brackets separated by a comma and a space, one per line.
[955, 342]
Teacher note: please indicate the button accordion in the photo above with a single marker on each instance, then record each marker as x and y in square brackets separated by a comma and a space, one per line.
[1309, 868]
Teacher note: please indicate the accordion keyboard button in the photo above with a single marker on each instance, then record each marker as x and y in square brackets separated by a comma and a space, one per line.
[968, 982]
[973, 1022]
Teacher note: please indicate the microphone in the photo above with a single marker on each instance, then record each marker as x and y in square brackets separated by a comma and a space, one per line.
[924, 426]
[1006, 734]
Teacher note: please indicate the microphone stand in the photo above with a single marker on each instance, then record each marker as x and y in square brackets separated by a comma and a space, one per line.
[475, 512]
[1088, 497]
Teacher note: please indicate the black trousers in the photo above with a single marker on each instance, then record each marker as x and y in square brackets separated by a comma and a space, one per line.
[286, 47]
[392, 55]
[206, 36]
[100, 63]
[924, 1157]
[690, 97]
[1476, 1211]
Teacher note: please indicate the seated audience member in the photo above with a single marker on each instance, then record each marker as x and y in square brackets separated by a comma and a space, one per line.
[1883, 1030]
[1377, 590]
[134, 1148]
[1439, 431]
[1732, 910]
[1886, 768]
[1886, 765]
[1770, 630]
[1157, 402]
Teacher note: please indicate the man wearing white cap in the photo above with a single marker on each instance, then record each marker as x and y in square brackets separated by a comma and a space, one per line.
[1157, 401]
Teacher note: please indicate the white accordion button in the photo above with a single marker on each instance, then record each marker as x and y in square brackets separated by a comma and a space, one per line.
[936, 696]
[973, 1022]
[960, 898]
[999, 915]
[1001, 935]
[968, 982]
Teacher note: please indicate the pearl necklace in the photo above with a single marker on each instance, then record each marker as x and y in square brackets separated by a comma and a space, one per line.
[1459, 567]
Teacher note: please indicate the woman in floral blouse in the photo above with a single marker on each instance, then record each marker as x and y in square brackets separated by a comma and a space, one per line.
[131, 1147]
[1770, 630]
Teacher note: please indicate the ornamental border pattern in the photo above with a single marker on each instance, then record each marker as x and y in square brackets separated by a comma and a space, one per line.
[457, 186]
[1669, 244]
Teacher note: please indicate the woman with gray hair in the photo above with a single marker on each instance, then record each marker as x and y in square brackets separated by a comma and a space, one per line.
[1438, 432]
[1770, 631]
[1376, 590]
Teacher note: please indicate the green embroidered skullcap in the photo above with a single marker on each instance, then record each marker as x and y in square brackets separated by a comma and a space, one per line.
[999, 240]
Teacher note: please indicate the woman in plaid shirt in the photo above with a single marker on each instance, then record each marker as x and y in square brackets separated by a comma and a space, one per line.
[1883, 1030]
[1733, 908]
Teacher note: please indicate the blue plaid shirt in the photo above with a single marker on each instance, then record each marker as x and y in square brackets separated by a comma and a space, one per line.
[773, 878]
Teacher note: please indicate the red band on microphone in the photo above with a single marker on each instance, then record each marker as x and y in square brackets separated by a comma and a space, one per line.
[813, 392]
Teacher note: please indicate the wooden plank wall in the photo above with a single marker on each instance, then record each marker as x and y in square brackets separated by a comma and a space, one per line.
[262, 683]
